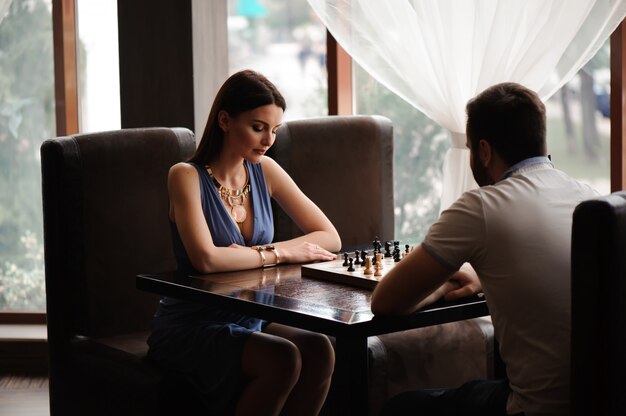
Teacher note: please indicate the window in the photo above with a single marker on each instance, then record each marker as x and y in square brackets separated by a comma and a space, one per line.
[98, 66]
[27, 117]
[286, 42]
[419, 144]
[579, 125]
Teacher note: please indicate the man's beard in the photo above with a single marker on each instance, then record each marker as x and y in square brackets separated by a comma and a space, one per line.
[480, 172]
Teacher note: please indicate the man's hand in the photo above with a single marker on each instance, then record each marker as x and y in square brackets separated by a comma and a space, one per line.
[465, 283]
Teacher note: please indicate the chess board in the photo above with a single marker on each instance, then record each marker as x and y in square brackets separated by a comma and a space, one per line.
[334, 271]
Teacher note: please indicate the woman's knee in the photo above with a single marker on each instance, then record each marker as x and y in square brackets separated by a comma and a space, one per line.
[272, 358]
[286, 359]
[317, 353]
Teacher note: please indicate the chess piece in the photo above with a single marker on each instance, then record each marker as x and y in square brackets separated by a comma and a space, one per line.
[351, 266]
[377, 245]
[379, 260]
[363, 256]
[406, 248]
[378, 269]
[345, 259]
[357, 258]
[368, 266]
[387, 248]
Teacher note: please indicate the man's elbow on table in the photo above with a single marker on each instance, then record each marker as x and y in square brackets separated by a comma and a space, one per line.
[386, 301]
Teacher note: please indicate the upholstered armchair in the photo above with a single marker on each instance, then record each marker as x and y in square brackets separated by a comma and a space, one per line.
[105, 220]
[599, 306]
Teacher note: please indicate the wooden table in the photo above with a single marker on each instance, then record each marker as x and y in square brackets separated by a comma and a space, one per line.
[281, 294]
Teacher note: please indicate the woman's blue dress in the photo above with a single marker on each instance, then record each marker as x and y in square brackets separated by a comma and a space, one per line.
[200, 341]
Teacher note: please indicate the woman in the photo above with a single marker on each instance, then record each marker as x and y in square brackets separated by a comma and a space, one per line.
[222, 220]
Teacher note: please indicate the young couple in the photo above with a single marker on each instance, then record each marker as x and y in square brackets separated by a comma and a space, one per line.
[221, 220]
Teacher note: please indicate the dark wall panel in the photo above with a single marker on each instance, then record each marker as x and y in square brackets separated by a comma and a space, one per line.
[156, 63]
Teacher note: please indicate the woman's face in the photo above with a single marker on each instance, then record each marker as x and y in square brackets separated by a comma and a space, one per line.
[251, 133]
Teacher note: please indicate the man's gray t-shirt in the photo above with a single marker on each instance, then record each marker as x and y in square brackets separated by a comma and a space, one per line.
[517, 236]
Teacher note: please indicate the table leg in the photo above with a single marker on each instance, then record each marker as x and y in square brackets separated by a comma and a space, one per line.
[349, 394]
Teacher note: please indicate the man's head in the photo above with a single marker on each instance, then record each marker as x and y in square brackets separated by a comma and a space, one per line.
[511, 119]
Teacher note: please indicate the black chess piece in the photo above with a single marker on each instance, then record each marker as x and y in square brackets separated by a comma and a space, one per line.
[406, 248]
[396, 255]
[363, 256]
[387, 248]
[345, 259]
[351, 266]
[377, 246]
[357, 258]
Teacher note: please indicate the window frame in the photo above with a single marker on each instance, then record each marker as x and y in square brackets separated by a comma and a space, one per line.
[618, 109]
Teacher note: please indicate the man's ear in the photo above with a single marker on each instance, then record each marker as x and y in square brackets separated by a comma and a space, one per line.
[485, 152]
[222, 120]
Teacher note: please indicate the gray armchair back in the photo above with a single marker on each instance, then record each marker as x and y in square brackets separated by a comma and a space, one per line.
[345, 165]
[599, 306]
[105, 220]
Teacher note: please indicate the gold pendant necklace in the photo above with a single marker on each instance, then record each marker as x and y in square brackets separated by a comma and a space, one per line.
[234, 198]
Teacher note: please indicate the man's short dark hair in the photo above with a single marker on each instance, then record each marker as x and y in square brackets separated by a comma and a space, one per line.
[511, 118]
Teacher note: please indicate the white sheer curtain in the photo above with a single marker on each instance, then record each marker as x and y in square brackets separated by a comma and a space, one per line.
[437, 54]
[4, 9]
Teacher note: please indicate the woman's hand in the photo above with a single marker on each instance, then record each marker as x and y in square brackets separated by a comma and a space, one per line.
[305, 252]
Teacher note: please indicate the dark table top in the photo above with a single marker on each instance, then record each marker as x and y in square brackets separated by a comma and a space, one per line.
[282, 294]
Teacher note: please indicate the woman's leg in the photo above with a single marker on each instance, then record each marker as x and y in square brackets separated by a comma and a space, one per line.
[270, 368]
[317, 362]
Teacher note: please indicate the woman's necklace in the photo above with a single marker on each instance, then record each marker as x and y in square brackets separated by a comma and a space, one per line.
[234, 198]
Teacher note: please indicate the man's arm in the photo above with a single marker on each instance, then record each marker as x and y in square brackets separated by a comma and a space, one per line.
[405, 288]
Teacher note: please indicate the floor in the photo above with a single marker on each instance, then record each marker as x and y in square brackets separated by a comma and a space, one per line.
[24, 395]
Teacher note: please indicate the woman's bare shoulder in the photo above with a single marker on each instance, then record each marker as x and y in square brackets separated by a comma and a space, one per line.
[182, 173]
[182, 169]
[271, 166]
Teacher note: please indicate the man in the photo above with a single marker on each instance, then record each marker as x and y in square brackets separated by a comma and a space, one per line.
[515, 232]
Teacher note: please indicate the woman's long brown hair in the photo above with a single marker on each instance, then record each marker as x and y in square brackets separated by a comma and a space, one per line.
[242, 91]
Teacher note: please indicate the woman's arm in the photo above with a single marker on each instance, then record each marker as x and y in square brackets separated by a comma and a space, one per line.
[317, 228]
[186, 212]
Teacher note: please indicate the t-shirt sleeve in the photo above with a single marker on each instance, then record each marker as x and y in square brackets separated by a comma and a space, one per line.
[458, 235]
